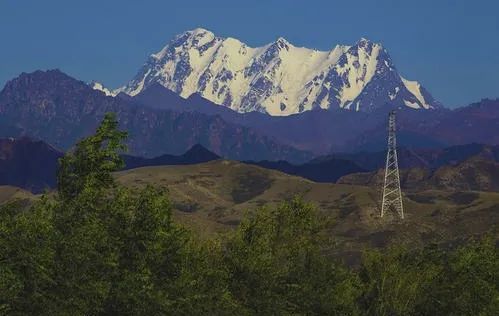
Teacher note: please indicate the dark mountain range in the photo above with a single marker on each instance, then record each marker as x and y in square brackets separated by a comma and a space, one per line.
[320, 171]
[32, 165]
[332, 167]
[475, 123]
[58, 109]
[158, 97]
[319, 131]
[478, 121]
[337, 130]
[421, 158]
[28, 164]
[197, 154]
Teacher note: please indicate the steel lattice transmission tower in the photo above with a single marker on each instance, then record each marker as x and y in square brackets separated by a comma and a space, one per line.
[392, 194]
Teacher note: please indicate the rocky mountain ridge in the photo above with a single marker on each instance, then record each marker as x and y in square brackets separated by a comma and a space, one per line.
[60, 110]
[278, 78]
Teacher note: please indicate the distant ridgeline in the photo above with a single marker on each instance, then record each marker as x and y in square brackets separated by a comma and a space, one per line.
[32, 165]
[60, 110]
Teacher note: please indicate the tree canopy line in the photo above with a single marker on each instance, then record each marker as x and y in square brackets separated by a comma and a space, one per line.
[95, 247]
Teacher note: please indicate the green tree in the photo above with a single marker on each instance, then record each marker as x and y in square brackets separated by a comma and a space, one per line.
[278, 267]
[94, 247]
[93, 160]
[203, 286]
[469, 282]
[26, 258]
[118, 251]
[395, 281]
[475, 271]
[86, 253]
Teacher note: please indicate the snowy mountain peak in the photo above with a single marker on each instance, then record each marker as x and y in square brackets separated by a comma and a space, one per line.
[282, 42]
[196, 38]
[279, 78]
[200, 30]
[100, 87]
[364, 40]
[195, 34]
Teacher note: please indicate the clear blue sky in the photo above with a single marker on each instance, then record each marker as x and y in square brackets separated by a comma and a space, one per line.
[451, 47]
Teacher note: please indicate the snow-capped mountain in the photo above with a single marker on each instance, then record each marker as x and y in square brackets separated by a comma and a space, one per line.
[278, 78]
[99, 86]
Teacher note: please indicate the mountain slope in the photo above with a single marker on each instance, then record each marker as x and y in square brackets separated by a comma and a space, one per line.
[475, 123]
[477, 173]
[10, 193]
[328, 170]
[58, 109]
[418, 158]
[336, 130]
[32, 165]
[278, 78]
[197, 154]
[214, 196]
[28, 164]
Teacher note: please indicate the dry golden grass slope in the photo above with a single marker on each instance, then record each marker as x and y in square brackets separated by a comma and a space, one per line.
[9, 193]
[214, 196]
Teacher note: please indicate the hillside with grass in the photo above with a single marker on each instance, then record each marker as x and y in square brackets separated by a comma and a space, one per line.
[215, 196]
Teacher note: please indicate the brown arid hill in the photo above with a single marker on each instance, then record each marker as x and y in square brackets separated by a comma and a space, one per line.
[9, 193]
[213, 197]
[474, 174]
